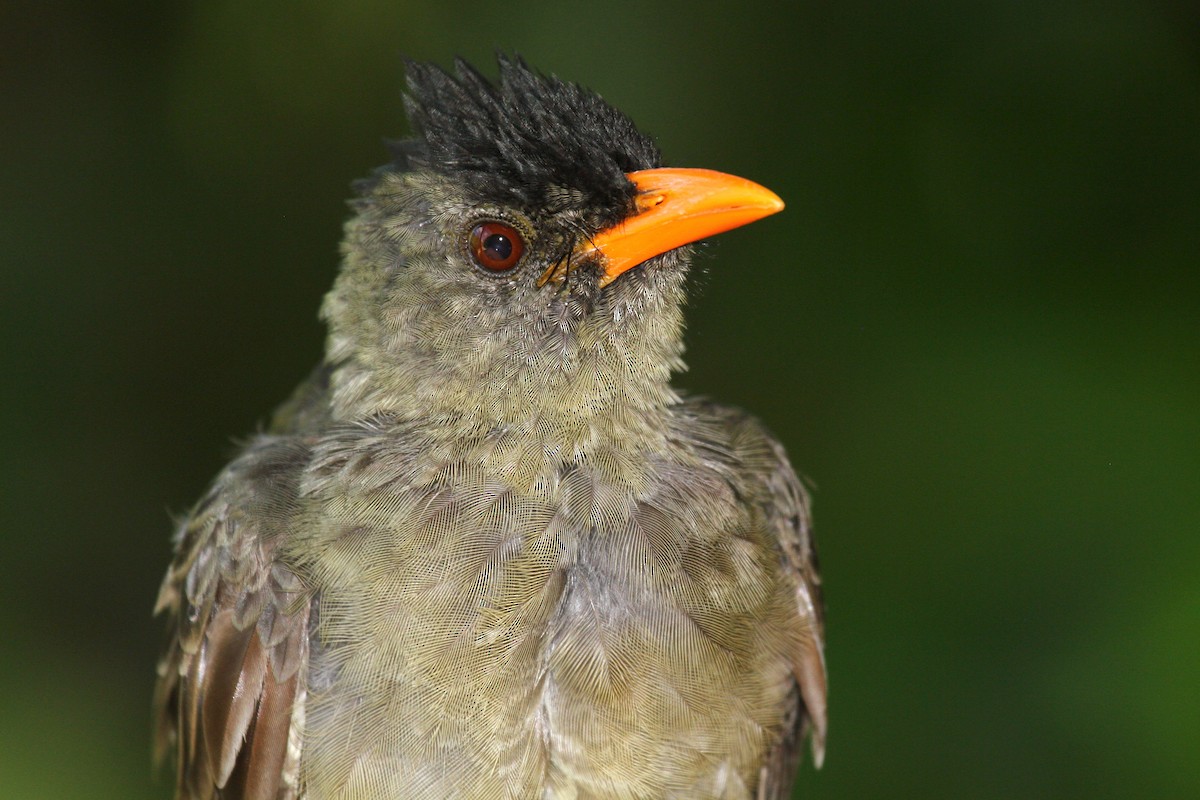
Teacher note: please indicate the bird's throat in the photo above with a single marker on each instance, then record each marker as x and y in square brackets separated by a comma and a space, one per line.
[561, 406]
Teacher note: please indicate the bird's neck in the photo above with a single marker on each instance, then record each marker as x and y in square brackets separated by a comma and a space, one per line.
[602, 393]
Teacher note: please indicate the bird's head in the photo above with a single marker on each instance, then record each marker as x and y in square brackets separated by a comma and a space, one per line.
[522, 261]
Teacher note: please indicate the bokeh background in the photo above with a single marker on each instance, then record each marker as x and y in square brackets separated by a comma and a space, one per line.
[976, 326]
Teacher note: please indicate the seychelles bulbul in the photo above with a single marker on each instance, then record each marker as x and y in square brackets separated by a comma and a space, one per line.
[486, 550]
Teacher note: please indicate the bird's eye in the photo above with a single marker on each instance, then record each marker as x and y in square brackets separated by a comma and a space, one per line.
[495, 246]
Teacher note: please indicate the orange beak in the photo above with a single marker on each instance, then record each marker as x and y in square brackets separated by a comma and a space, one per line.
[675, 207]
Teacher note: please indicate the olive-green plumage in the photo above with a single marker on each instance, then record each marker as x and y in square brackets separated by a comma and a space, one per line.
[486, 551]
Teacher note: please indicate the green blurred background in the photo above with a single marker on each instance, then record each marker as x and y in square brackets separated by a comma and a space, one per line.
[976, 327]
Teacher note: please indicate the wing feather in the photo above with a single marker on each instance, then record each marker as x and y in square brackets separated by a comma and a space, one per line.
[789, 513]
[238, 633]
[766, 478]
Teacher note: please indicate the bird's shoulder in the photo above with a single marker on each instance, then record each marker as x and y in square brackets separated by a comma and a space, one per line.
[738, 445]
[231, 680]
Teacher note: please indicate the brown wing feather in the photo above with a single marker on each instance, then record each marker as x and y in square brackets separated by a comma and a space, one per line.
[238, 621]
[267, 744]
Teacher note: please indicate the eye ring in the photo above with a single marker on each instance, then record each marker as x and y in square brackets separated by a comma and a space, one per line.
[495, 246]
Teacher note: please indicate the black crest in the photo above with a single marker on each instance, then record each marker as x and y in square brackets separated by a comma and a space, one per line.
[524, 139]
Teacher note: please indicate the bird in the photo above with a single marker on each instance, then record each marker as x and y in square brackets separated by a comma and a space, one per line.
[486, 550]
